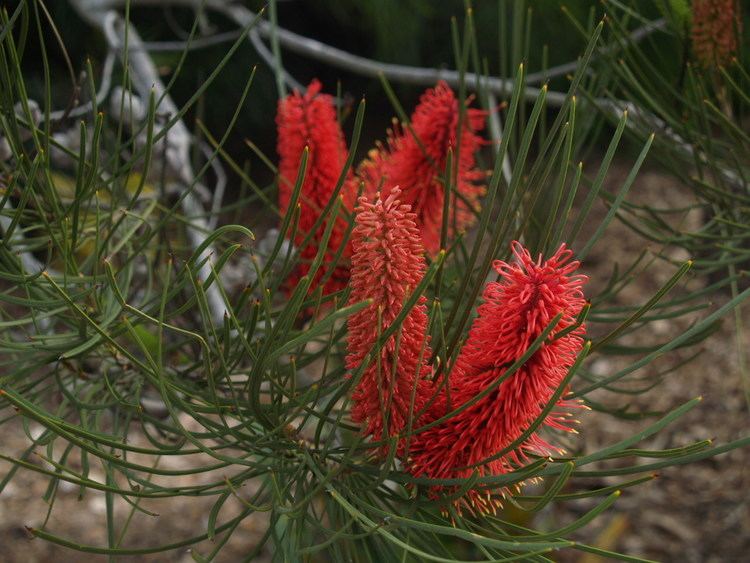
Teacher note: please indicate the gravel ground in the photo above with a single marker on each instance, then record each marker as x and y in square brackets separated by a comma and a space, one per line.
[692, 513]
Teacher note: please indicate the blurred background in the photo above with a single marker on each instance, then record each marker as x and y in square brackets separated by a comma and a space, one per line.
[408, 32]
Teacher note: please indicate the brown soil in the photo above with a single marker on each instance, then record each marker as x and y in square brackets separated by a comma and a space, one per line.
[693, 513]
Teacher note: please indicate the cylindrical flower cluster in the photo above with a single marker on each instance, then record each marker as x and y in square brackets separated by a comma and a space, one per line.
[387, 265]
[398, 218]
[715, 29]
[415, 161]
[516, 310]
[309, 120]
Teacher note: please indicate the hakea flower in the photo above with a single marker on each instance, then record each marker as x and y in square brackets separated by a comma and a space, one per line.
[516, 310]
[309, 120]
[716, 25]
[419, 167]
[387, 265]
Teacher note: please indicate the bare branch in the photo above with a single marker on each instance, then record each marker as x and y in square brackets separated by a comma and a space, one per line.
[333, 56]
[217, 196]
[339, 58]
[29, 262]
[561, 70]
[268, 58]
[192, 45]
[146, 80]
[101, 95]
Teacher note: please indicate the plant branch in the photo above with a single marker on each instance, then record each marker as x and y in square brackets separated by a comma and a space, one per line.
[331, 55]
[637, 36]
[146, 80]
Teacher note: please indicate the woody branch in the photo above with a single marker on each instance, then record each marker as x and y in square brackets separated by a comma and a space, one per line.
[146, 80]
[311, 48]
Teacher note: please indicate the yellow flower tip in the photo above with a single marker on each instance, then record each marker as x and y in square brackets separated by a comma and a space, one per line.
[45, 274]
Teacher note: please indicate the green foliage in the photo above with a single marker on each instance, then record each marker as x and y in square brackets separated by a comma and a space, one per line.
[699, 115]
[127, 342]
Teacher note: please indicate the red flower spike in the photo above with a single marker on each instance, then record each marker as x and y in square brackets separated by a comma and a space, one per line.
[309, 120]
[387, 265]
[516, 310]
[716, 25]
[418, 166]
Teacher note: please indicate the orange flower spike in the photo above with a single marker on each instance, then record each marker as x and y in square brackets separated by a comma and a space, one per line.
[309, 120]
[417, 166]
[715, 29]
[516, 310]
[387, 265]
